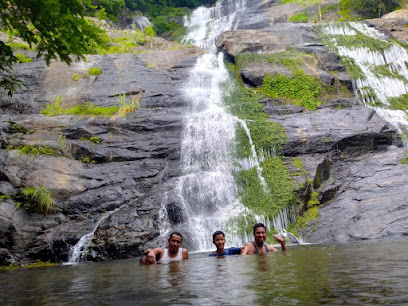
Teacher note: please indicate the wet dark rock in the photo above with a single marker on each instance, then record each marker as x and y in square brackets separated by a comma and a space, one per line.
[350, 131]
[370, 201]
[133, 156]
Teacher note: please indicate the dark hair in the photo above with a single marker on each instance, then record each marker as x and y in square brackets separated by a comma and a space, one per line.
[259, 225]
[218, 233]
[175, 233]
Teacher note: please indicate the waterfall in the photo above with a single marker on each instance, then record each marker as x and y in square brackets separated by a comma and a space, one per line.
[384, 72]
[79, 250]
[206, 190]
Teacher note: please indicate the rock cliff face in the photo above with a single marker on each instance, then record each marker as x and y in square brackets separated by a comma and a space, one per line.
[350, 152]
[135, 155]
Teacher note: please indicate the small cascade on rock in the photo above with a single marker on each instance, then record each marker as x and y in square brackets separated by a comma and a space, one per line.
[380, 68]
[79, 250]
[207, 194]
[253, 161]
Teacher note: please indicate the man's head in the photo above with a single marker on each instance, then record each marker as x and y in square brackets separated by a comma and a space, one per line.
[219, 240]
[260, 233]
[175, 240]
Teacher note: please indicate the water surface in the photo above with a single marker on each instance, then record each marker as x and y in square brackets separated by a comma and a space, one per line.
[358, 273]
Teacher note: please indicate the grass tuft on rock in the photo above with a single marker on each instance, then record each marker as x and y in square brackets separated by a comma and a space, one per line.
[37, 198]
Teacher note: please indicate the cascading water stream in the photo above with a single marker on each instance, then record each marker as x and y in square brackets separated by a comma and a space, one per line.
[78, 252]
[374, 88]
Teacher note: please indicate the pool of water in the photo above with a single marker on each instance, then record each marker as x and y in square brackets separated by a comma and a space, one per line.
[374, 272]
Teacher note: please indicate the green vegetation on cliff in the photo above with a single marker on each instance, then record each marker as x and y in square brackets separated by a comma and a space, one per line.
[296, 86]
[276, 190]
[350, 9]
[267, 136]
[37, 199]
[267, 190]
[300, 89]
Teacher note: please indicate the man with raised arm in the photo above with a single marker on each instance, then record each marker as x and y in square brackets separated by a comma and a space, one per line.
[259, 246]
[174, 252]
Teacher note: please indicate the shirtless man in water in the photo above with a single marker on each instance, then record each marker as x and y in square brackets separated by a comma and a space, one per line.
[259, 245]
[164, 256]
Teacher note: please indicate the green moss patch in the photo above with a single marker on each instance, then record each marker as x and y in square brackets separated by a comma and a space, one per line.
[351, 68]
[359, 41]
[267, 136]
[300, 89]
[385, 71]
[399, 103]
[280, 193]
[304, 221]
[302, 17]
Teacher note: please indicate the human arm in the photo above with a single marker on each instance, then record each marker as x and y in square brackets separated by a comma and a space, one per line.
[185, 254]
[151, 256]
[281, 241]
[247, 249]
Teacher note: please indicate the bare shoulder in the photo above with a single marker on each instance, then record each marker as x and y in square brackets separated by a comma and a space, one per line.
[249, 245]
[185, 253]
[248, 249]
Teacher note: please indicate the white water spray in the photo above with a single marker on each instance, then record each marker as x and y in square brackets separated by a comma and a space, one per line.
[374, 87]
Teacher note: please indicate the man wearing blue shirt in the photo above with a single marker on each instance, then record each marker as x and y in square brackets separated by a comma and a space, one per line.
[219, 242]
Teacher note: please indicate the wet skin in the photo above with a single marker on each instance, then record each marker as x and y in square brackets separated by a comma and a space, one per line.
[219, 242]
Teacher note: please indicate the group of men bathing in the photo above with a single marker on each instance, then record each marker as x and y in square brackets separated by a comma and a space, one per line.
[174, 252]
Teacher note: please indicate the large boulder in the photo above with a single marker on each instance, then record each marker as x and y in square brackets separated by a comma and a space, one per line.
[275, 38]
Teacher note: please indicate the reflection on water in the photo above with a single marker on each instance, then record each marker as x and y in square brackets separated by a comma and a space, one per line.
[359, 273]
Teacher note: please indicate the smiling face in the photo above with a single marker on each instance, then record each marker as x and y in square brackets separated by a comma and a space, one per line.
[260, 235]
[219, 242]
[174, 243]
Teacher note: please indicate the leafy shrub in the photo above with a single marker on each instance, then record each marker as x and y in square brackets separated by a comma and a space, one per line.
[150, 32]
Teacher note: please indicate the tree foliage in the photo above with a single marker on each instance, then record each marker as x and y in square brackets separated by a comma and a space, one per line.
[371, 8]
[56, 28]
